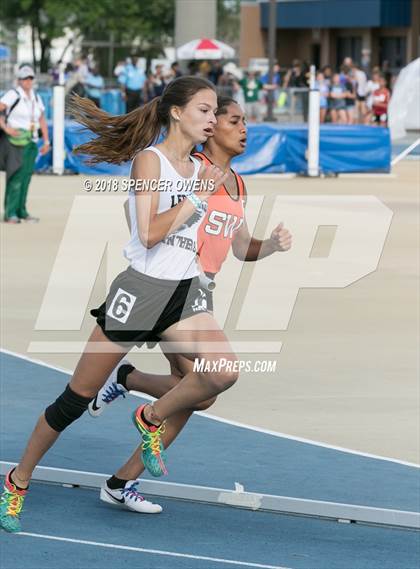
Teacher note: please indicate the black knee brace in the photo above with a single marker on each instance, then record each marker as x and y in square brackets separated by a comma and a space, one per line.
[68, 407]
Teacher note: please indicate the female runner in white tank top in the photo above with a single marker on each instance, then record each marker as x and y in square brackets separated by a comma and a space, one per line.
[228, 141]
[157, 297]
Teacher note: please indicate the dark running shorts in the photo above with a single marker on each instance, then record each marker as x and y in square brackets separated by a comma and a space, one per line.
[209, 293]
[337, 104]
[380, 118]
[139, 308]
[209, 298]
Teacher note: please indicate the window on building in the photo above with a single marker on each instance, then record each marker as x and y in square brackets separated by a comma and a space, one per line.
[350, 46]
[394, 51]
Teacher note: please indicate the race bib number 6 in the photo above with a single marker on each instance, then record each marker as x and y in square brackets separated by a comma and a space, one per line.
[121, 305]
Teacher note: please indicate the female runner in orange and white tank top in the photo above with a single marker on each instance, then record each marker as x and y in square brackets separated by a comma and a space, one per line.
[224, 226]
[225, 216]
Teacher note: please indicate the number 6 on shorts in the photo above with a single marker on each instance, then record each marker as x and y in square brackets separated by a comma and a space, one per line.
[121, 305]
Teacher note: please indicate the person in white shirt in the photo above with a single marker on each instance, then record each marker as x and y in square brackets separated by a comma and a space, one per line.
[361, 91]
[21, 117]
[371, 86]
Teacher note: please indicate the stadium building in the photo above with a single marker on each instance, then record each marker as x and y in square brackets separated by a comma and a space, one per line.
[325, 31]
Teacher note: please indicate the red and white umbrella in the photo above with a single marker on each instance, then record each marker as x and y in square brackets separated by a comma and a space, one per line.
[205, 49]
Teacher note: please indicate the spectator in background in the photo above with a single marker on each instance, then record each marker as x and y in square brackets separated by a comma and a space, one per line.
[132, 81]
[275, 85]
[361, 91]
[119, 68]
[349, 85]
[75, 83]
[344, 74]
[192, 67]
[380, 102]
[252, 89]
[60, 67]
[229, 87]
[82, 65]
[386, 72]
[21, 117]
[238, 93]
[348, 62]
[225, 85]
[324, 90]
[371, 86]
[276, 77]
[229, 84]
[148, 88]
[175, 70]
[337, 98]
[55, 72]
[90, 62]
[327, 73]
[296, 78]
[204, 69]
[365, 60]
[216, 71]
[94, 86]
[158, 81]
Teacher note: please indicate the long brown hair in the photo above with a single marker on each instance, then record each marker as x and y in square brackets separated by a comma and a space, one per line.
[120, 137]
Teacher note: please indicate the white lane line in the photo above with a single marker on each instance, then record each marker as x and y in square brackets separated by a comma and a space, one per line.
[405, 152]
[272, 176]
[34, 361]
[367, 175]
[151, 551]
[307, 441]
[238, 424]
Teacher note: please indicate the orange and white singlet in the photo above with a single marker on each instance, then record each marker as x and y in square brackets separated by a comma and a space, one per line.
[225, 215]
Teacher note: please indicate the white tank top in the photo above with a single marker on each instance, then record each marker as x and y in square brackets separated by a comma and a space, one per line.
[174, 258]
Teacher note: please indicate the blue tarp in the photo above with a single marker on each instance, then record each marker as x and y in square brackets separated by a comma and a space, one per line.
[4, 51]
[275, 148]
[111, 101]
[272, 148]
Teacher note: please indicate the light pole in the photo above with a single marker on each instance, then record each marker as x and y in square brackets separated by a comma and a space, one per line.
[313, 125]
[272, 29]
[59, 123]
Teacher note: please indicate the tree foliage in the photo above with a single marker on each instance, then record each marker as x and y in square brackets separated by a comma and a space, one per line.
[148, 24]
[228, 21]
[47, 19]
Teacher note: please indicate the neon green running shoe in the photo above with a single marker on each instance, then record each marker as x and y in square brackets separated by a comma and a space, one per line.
[153, 452]
[11, 504]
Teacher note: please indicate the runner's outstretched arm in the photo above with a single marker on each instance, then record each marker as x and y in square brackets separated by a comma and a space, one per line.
[247, 248]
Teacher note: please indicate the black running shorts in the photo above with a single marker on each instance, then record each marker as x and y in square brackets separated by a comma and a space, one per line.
[139, 308]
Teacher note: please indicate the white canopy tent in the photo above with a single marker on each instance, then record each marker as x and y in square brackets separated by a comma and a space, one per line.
[404, 107]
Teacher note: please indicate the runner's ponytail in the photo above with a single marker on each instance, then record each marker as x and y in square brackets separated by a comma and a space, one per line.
[120, 137]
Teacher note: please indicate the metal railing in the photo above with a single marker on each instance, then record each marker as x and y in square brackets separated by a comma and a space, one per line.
[290, 104]
[295, 103]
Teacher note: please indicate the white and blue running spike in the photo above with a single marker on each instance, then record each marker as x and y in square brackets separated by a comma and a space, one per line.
[111, 391]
